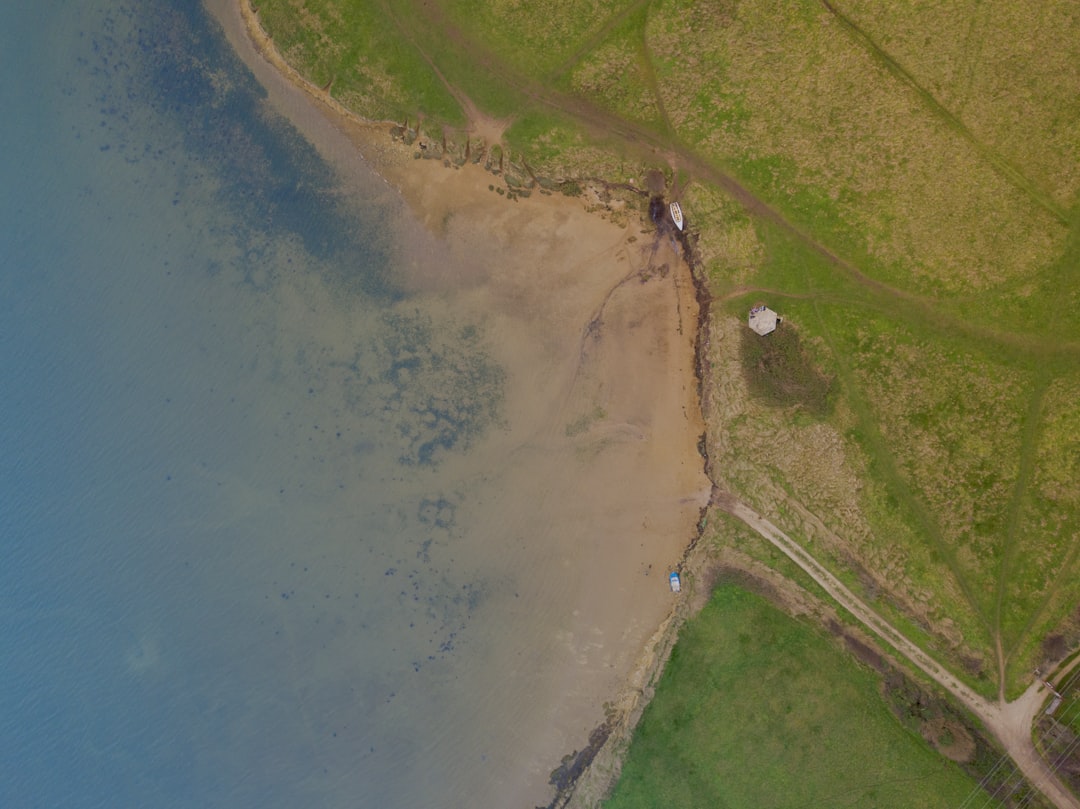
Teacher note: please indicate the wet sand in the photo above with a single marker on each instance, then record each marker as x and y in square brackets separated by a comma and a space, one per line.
[593, 487]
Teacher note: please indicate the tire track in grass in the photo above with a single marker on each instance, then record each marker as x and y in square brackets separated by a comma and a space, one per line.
[1006, 169]
[896, 482]
[594, 40]
[649, 143]
[645, 61]
[1004, 647]
[1064, 572]
[1065, 270]
[905, 305]
[1028, 443]
[972, 52]
[654, 85]
[473, 115]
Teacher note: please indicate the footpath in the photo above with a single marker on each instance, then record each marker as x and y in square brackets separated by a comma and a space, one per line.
[1010, 722]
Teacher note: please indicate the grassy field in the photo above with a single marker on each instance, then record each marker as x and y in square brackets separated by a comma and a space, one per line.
[359, 54]
[979, 60]
[899, 181]
[757, 709]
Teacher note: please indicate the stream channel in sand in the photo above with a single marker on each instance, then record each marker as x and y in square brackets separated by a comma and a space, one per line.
[575, 508]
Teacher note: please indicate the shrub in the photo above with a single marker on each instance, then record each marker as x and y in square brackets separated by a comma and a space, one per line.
[781, 373]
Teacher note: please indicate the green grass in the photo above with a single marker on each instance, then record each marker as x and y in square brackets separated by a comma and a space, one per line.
[952, 459]
[910, 180]
[756, 709]
[618, 73]
[724, 531]
[363, 54]
[536, 39]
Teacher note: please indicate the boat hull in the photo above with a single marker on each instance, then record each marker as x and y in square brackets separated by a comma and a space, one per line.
[676, 214]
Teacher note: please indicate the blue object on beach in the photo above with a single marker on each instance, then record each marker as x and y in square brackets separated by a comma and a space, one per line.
[676, 585]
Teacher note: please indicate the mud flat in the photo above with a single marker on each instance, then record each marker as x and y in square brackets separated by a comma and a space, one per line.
[593, 487]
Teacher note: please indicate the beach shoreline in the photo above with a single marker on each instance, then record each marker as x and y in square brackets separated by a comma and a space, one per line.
[664, 369]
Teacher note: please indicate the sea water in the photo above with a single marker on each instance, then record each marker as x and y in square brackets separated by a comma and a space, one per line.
[224, 554]
[279, 526]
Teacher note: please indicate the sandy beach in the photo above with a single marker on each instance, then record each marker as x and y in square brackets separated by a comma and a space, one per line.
[596, 482]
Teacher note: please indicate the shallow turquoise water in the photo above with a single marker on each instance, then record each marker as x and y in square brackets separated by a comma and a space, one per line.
[229, 571]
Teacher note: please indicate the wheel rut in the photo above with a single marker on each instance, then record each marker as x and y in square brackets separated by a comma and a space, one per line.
[1003, 166]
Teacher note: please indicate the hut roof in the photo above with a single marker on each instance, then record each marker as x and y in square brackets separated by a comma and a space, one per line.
[763, 320]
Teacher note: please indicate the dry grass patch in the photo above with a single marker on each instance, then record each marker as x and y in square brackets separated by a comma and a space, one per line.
[953, 422]
[818, 483]
[690, 60]
[1058, 459]
[728, 248]
[613, 75]
[785, 95]
[1042, 585]
[916, 580]
[1008, 70]
[536, 37]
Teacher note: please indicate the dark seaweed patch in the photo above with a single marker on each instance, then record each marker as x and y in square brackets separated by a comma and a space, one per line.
[275, 181]
[433, 386]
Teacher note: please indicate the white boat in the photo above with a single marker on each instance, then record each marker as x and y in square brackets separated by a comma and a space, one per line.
[676, 585]
[676, 214]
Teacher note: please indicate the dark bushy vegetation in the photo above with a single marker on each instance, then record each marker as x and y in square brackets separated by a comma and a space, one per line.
[779, 371]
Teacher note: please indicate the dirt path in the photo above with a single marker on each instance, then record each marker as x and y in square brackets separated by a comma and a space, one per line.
[1012, 541]
[479, 124]
[1010, 722]
[608, 125]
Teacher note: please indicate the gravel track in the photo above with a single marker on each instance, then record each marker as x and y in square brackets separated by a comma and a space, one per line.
[1010, 722]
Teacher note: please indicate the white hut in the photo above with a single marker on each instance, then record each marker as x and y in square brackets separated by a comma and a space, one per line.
[763, 320]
